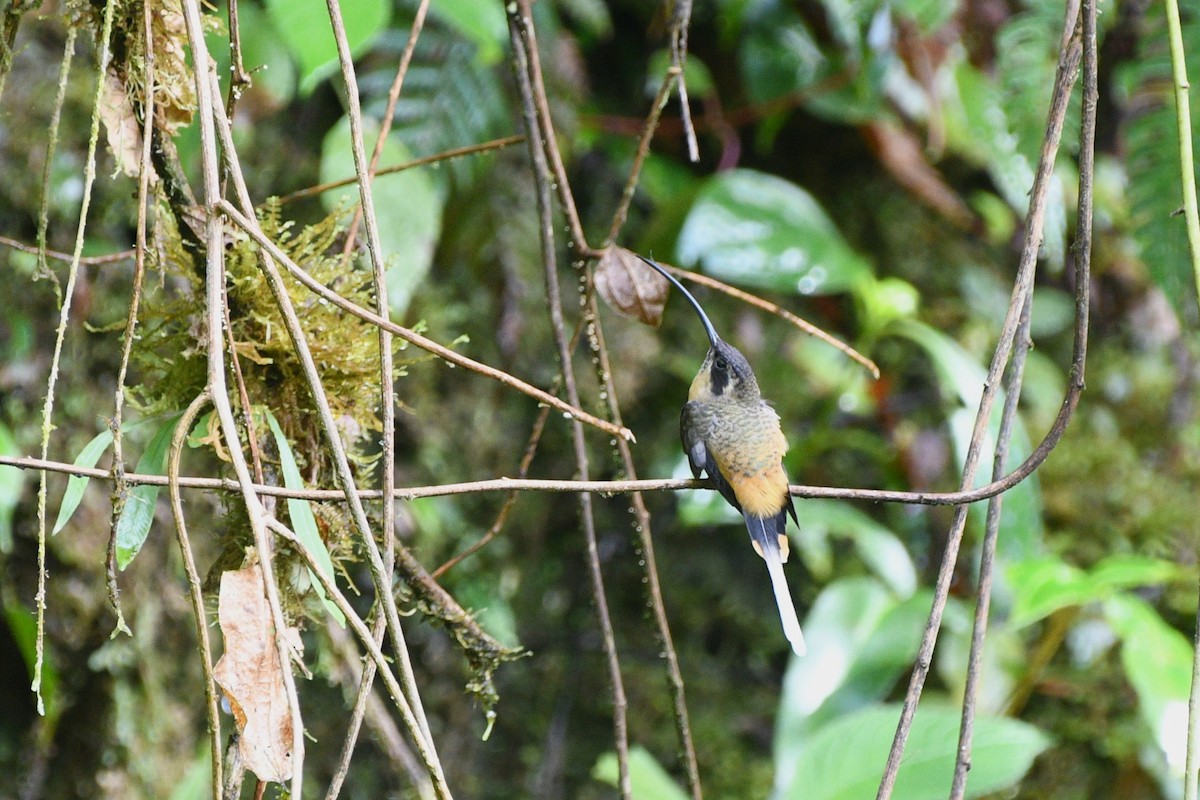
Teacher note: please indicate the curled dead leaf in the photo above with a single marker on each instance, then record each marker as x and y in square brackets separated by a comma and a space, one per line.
[631, 288]
[252, 677]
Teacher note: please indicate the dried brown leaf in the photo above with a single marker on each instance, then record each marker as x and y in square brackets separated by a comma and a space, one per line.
[631, 288]
[121, 126]
[252, 677]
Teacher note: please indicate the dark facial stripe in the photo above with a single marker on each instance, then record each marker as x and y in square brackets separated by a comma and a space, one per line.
[719, 378]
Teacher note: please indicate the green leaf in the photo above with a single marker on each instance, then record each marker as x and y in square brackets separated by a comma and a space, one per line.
[877, 546]
[1043, 586]
[483, 24]
[412, 204]
[961, 377]
[1158, 661]
[755, 229]
[978, 128]
[861, 640]
[845, 758]
[135, 521]
[647, 778]
[11, 480]
[305, 29]
[22, 625]
[77, 484]
[304, 524]
[1152, 142]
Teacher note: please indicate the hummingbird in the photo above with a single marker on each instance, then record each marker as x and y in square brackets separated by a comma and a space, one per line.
[732, 435]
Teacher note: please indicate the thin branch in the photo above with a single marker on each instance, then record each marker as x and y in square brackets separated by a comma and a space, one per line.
[60, 336]
[366, 208]
[987, 557]
[368, 704]
[639, 158]
[559, 486]
[111, 258]
[120, 488]
[329, 430]
[1023, 285]
[445, 155]
[41, 251]
[214, 301]
[445, 353]
[781, 312]
[679, 46]
[645, 543]
[519, 15]
[385, 125]
[529, 83]
[194, 586]
[364, 636]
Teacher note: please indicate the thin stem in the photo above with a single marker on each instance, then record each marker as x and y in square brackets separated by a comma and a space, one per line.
[445, 353]
[987, 558]
[645, 543]
[60, 336]
[214, 302]
[364, 636]
[1183, 121]
[445, 155]
[195, 586]
[528, 76]
[385, 125]
[1023, 285]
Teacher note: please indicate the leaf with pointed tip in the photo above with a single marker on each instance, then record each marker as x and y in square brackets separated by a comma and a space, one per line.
[631, 288]
[77, 484]
[303, 522]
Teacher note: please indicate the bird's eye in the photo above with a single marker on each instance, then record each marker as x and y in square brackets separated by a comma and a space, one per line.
[721, 363]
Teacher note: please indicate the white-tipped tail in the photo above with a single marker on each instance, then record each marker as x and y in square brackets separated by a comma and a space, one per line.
[783, 598]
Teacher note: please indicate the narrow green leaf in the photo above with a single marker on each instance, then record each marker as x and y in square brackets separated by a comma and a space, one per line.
[11, 480]
[135, 521]
[304, 524]
[844, 759]
[647, 778]
[77, 484]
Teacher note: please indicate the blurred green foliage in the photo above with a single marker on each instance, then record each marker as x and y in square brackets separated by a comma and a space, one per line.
[864, 164]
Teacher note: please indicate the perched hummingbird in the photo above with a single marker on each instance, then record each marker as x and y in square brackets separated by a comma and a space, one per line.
[730, 433]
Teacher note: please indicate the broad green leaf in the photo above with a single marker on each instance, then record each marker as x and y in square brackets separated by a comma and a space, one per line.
[135, 521]
[845, 759]
[861, 640]
[1158, 662]
[264, 55]
[304, 524]
[77, 484]
[305, 29]
[481, 23]
[409, 205]
[647, 778]
[877, 546]
[755, 229]
[11, 480]
[1043, 586]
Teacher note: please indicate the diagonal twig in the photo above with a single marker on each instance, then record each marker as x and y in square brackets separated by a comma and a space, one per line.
[1023, 285]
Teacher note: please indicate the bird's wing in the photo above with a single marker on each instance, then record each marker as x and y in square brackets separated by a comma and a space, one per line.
[693, 445]
[765, 533]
